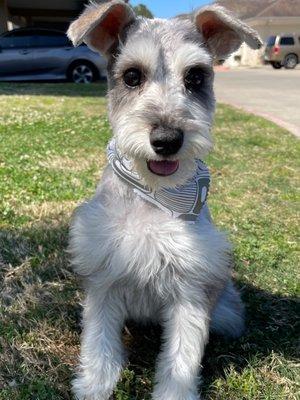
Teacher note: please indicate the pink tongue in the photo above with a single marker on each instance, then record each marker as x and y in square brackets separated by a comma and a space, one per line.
[163, 168]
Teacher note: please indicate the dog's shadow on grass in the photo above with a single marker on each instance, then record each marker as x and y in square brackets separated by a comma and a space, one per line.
[270, 327]
[44, 294]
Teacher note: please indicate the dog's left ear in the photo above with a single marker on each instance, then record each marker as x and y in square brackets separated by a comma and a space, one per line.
[101, 24]
[222, 32]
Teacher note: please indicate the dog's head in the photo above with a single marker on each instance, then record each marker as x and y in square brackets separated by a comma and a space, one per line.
[160, 76]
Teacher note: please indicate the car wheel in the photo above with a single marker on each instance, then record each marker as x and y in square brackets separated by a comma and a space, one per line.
[276, 65]
[82, 72]
[290, 61]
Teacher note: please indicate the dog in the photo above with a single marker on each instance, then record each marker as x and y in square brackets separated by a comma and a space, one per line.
[145, 244]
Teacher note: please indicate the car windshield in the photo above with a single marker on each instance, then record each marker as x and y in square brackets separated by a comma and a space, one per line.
[34, 38]
[271, 41]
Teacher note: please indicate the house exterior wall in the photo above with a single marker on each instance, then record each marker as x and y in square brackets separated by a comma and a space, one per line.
[3, 16]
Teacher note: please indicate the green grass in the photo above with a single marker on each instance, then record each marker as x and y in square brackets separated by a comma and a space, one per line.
[52, 149]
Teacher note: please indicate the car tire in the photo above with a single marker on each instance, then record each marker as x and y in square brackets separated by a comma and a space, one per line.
[82, 72]
[290, 61]
[276, 65]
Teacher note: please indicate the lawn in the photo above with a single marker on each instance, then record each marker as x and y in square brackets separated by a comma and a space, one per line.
[52, 150]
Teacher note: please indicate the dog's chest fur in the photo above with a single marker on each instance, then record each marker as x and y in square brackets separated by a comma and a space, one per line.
[119, 240]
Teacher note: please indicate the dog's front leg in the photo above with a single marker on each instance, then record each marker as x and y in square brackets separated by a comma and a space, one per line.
[186, 326]
[102, 352]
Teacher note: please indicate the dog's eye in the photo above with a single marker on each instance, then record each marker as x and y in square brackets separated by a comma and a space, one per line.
[132, 77]
[193, 79]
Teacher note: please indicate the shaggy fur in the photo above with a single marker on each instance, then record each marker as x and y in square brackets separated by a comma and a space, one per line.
[136, 261]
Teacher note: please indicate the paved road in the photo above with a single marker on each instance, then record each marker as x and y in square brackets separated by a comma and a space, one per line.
[274, 94]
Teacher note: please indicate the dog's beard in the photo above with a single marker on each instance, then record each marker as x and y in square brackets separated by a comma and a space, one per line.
[186, 169]
[136, 147]
[132, 134]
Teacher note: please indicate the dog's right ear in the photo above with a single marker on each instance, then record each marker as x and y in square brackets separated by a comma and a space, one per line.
[100, 25]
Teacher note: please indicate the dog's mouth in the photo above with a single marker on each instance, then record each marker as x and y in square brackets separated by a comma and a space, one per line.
[163, 168]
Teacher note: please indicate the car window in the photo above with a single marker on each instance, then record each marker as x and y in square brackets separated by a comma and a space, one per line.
[50, 39]
[18, 33]
[19, 42]
[271, 41]
[53, 40]
[287, 41]
[33, 38]
[22, 33]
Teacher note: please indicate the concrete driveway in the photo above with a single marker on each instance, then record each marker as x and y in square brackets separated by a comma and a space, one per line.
[273, 94]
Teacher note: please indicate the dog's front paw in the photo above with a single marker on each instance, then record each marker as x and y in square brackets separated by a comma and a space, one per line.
[173, 392]
[187, 397]
[91, 391]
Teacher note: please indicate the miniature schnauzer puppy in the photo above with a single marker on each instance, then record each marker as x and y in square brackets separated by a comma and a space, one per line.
[145, 244]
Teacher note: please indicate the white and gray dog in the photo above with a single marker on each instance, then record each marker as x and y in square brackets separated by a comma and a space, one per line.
[145, 244]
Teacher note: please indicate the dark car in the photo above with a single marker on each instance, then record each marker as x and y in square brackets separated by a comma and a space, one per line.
[43, 54]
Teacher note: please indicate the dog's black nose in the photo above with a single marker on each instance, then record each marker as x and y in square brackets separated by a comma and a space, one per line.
[166, 141]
